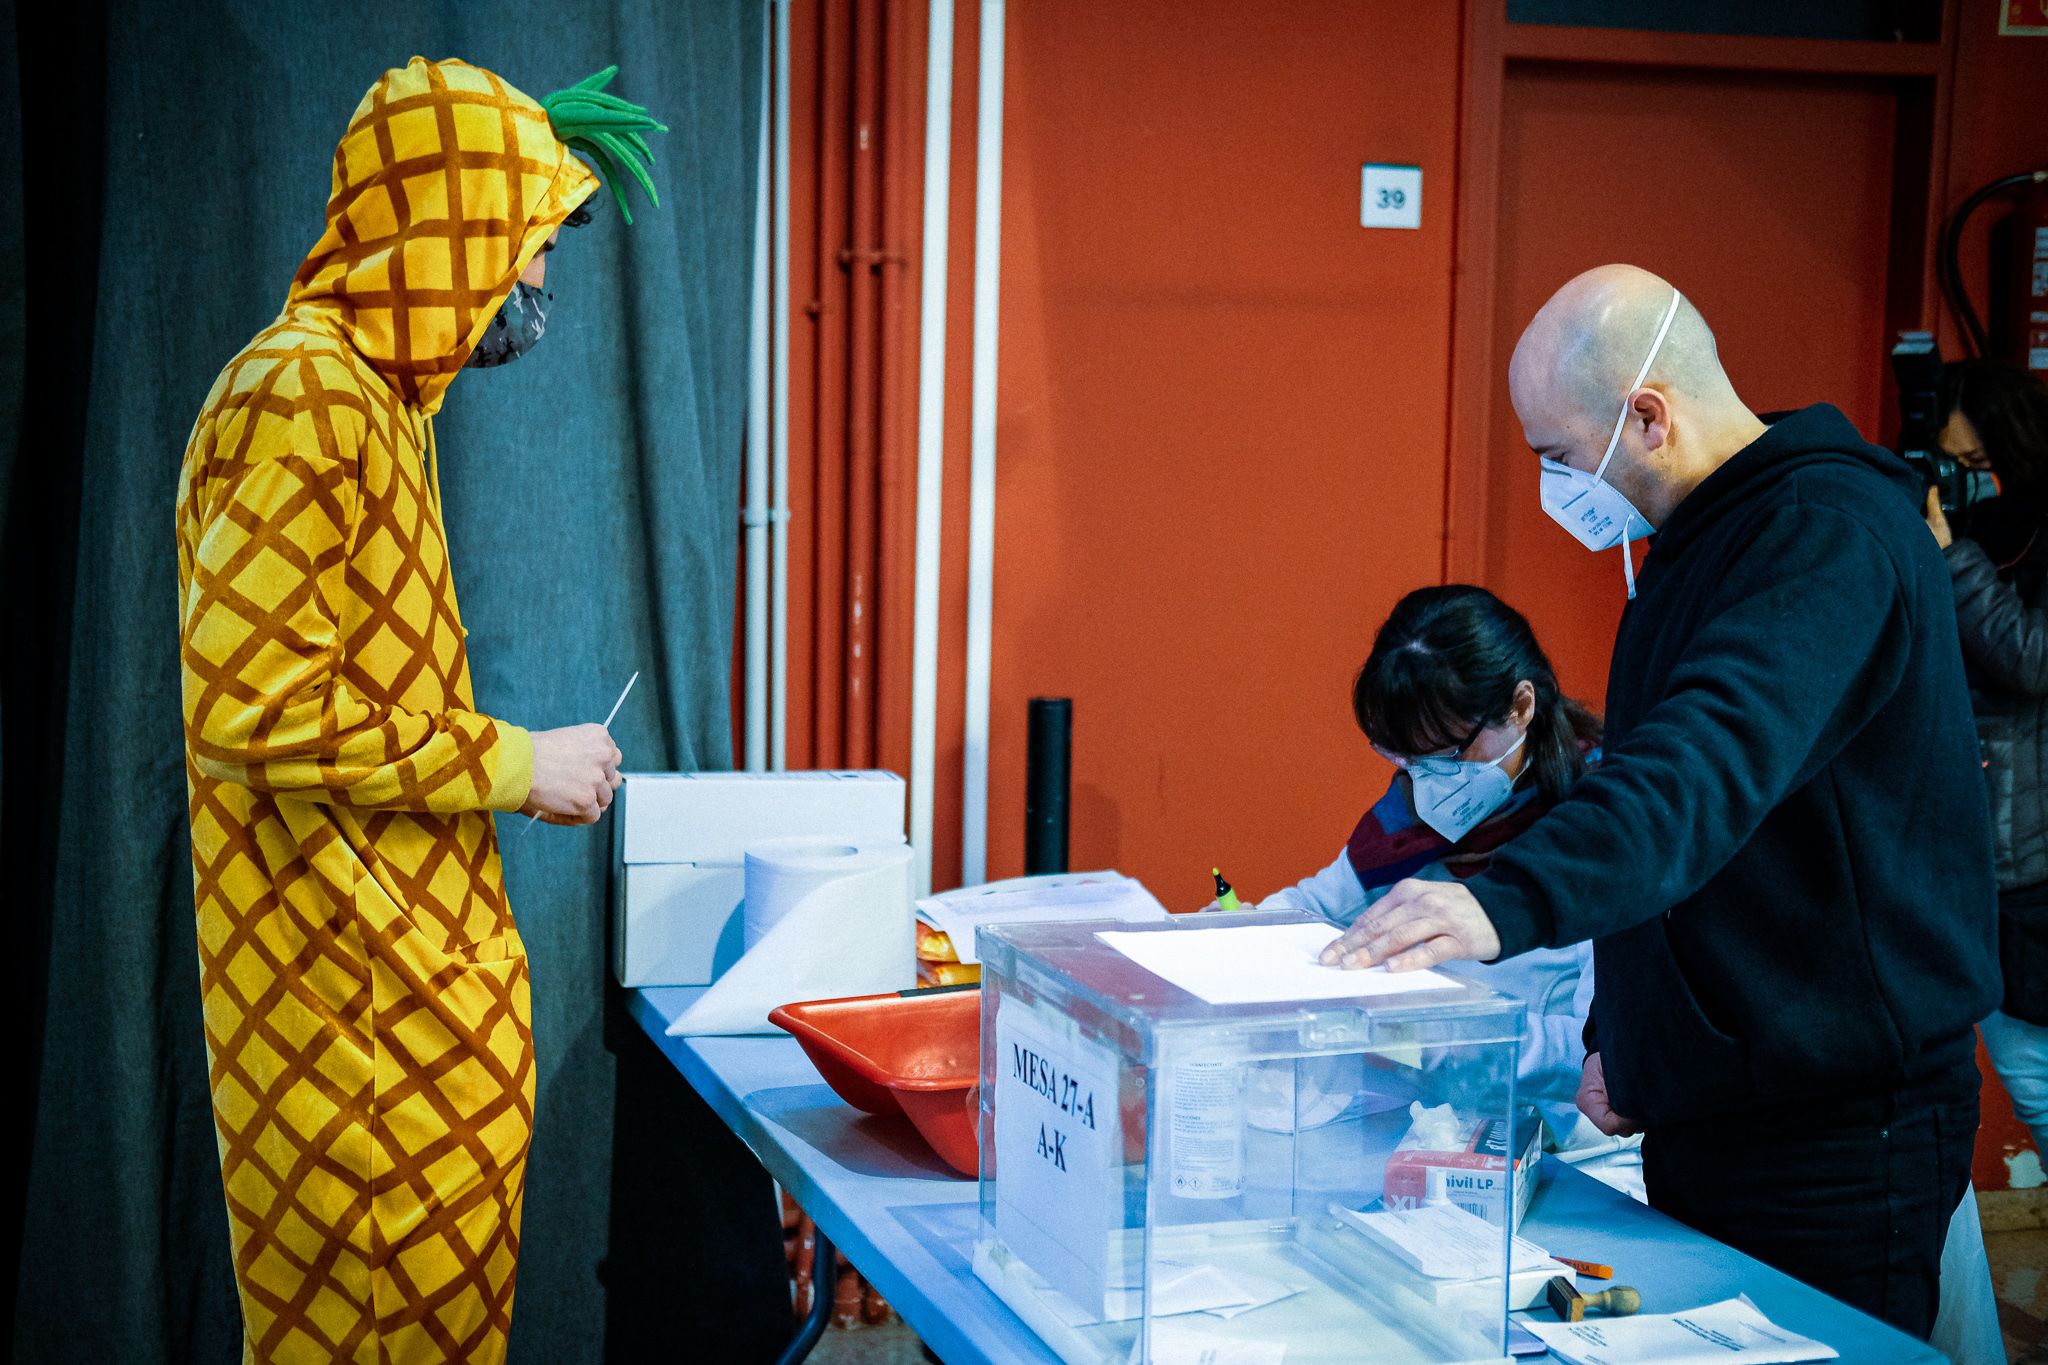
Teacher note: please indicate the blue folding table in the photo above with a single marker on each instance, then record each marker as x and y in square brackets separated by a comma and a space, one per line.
[901, 1215]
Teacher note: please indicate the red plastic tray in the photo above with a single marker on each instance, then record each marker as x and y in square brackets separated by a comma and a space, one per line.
[916, 1053]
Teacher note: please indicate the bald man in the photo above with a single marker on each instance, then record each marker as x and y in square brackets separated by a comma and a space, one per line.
[1785, 858]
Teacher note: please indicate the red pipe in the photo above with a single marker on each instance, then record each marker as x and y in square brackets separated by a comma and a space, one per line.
[859, 470]
[895, 587]
[828, 391]
[862, 263]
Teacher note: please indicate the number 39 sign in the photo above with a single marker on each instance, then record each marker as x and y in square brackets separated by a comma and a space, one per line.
[1393, 197]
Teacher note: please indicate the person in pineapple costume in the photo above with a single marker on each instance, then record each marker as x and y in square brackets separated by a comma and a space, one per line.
[364, 988]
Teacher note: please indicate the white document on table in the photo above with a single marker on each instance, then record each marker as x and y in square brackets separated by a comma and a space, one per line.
[1258, 963]
[1179, 1288]
[1731, 1332]
[1036, 900]
[1444, 1242]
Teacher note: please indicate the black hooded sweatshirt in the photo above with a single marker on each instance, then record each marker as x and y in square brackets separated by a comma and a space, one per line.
[1785, 855]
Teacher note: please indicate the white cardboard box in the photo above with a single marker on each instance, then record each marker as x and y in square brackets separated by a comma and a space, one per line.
[681, 841]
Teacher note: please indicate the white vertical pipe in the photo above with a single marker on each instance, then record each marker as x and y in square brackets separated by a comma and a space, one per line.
[778, 711]
[981, 492]
[756, 518]
[931, 434]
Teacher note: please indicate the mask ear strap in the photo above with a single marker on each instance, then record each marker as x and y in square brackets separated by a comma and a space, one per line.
[1628, 559]
[1663, 329]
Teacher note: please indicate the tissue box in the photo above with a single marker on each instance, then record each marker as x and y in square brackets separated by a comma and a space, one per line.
[1161, 1168]
[681, 838]
[1472, 1172]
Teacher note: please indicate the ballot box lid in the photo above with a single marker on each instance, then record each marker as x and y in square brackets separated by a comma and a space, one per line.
[1251, 977]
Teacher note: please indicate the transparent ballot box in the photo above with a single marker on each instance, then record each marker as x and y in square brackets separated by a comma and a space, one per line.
[1197, 1143]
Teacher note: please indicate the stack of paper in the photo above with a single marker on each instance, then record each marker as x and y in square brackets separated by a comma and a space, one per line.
[1450, 1251]
[1731, 1332]
[1020, 900]
[1444, 1242]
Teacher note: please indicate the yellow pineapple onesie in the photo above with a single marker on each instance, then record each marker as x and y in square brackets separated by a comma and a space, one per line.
[365, 990]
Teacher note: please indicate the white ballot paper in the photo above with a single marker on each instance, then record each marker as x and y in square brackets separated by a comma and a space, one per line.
[1731, 1332]
[821, 921]
[1444, 1242]
[1037, 900]
[1256, 963]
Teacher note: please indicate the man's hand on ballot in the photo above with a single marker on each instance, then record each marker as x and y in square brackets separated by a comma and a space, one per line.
[575, 772]
[1417, 924]
[1593, 1101]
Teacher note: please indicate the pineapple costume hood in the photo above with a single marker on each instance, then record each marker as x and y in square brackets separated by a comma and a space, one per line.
[364, 987]
[446, 185]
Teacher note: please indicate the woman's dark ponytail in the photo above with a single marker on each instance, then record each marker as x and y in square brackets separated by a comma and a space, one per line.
[1450, 657]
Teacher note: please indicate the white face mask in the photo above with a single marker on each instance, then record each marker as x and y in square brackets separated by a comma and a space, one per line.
[1451, 795]
[1597, 514]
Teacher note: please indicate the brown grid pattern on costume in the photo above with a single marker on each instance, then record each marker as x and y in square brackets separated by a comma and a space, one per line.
[262, 1059]
[287, 961]
[399, 511]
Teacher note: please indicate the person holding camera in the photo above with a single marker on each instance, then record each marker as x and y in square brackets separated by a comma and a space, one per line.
[1997, 556]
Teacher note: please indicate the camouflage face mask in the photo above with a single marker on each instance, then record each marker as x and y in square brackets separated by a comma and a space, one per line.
[610, 131]
[521, 321]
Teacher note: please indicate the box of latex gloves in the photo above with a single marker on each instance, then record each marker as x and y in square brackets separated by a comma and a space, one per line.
[1447, 1159]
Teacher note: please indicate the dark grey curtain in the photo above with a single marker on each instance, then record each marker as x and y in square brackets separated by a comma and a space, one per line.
[174, 166]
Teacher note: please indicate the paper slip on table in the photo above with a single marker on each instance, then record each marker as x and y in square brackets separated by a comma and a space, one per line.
[880, 1195]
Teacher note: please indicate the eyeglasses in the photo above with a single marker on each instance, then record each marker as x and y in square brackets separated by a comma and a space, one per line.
[1406, 761]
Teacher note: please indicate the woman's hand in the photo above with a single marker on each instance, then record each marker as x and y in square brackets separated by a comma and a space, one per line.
[1937, 521]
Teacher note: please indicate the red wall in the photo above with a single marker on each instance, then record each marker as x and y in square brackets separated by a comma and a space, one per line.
[1780, 242]
[1222, 412]
[1222, 417]
[1221, 426]
[2000, 119]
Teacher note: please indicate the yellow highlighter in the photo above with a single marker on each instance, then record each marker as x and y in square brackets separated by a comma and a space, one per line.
[1226, 897]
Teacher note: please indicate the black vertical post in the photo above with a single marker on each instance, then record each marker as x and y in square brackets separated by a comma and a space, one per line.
[1047, 773]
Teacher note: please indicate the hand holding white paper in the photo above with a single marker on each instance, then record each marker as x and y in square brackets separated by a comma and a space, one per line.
[822, 919]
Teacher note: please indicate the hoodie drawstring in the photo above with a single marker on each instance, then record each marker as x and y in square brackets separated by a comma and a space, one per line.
[1628, 559]
[434, 472]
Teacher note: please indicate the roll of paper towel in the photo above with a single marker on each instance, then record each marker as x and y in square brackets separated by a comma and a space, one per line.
[821, 919]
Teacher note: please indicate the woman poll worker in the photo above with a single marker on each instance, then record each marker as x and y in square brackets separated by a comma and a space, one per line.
[1998, 560]
[1459, 697]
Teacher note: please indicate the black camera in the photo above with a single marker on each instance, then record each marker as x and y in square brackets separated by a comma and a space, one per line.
[1916, 365]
